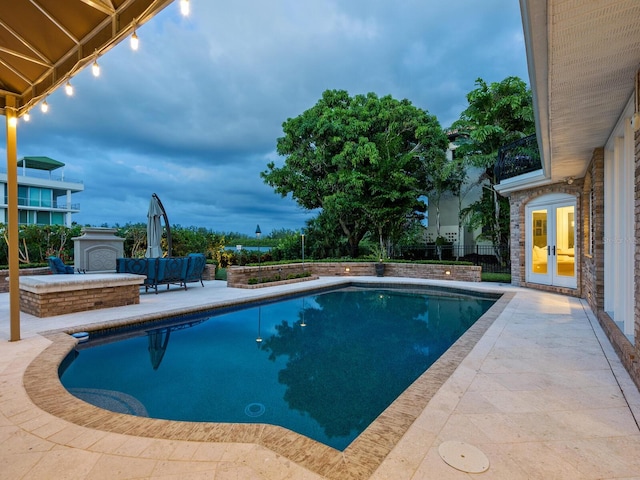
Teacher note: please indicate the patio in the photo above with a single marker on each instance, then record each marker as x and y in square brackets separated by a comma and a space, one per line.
[542, 394]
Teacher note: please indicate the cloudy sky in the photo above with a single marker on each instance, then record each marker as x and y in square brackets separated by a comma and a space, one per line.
[194, 114]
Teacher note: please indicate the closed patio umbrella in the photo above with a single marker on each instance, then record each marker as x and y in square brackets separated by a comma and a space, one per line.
[154, 228]
[158, 342]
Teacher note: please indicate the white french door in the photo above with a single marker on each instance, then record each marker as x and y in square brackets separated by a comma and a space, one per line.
[550, 243]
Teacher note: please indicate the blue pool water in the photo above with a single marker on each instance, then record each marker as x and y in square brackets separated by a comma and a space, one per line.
[324, 365]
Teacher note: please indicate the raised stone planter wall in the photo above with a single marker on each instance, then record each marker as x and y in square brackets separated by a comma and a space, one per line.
[238, 277]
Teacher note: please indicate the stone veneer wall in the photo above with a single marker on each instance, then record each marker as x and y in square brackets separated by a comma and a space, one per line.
[56, 303]
[518, 201]
[637, 252]
[237, 276]
[593, 229]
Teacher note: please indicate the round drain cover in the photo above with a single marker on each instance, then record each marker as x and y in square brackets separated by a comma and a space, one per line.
[463, 457]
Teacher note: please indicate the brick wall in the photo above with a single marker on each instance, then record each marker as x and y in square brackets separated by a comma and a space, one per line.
[209, 272]
[58, 303]
[637, 251]
[239, 276]
[593, 231]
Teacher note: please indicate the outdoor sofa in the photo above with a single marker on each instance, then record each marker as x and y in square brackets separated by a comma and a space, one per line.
[165, 270]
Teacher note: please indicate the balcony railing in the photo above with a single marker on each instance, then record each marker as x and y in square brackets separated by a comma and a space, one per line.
[40, 174]
[23, 202]
[517, 158]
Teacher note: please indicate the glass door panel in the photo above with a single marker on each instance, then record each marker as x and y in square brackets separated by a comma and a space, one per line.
[539, 252]
[565, 241]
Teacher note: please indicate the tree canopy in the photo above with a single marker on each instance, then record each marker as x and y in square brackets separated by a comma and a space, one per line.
[360, 159]
[498, 114]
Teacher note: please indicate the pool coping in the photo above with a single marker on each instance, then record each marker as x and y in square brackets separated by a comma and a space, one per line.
[359, 460]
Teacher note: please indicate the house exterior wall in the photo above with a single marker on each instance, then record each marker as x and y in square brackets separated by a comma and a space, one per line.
[637, 247]
[518, 201]
[592, 206]
[590, 194]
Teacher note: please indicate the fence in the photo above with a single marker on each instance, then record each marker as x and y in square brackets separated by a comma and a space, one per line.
[492, 258]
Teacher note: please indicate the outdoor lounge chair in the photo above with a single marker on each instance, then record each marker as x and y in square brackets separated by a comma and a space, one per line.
[57, 266]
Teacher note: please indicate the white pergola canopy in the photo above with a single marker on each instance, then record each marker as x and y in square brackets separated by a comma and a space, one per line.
[42, 44]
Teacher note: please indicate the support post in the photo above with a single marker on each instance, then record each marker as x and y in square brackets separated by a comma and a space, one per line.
[12, 219]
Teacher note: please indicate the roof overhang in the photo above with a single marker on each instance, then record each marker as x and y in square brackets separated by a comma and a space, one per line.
[40, 163]
[44, 42]
[582, 60]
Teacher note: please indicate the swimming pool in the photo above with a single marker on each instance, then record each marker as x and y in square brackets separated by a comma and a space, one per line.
[324, 365]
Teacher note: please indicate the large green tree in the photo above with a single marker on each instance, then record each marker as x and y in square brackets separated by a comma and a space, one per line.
[498, 113]
[358, 159]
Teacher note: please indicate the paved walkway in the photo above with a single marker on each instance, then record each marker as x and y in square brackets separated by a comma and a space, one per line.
[542, 395]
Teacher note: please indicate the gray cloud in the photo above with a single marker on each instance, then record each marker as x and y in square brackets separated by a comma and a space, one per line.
[195, 113]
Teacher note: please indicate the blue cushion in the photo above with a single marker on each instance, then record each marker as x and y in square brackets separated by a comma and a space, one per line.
[197, 261]
[57, 266]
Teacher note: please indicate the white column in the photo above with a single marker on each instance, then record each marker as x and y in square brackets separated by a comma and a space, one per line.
[68, 213]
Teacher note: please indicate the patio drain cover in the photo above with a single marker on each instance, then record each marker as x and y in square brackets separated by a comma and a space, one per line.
[463, 457]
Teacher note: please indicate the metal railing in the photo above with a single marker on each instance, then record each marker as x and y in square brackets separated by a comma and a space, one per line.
[517, 158]
[42, 175]
[23, 202]
[492, 258]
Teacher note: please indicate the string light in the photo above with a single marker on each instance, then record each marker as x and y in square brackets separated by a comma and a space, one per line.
[68, 88]
[134, 41]
[26, 116]
[45, 106]
[184, 7]
[95, 68]
[13, 121]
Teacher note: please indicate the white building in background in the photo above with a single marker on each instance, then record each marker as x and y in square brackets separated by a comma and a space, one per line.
[44, 196]
[452, 228]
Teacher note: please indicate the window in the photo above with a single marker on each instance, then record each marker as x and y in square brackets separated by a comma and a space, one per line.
[23, 195]
[43, 218]
[57, 218]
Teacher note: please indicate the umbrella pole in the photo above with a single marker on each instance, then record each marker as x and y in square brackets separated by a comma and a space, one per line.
[166, 223]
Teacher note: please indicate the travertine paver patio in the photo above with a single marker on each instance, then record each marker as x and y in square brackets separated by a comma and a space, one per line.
[542, 394]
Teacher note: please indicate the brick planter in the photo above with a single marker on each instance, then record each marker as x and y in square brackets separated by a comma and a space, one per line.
[238, 277]
[49, 295]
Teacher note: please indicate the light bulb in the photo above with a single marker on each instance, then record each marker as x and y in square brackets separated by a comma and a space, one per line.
[26, 116]
[45, 106]
[134, 41]
[13, 121]
[68, 88]
[95, 68]
[184, 7]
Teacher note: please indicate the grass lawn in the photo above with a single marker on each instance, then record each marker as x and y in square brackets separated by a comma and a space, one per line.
[496, 277]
